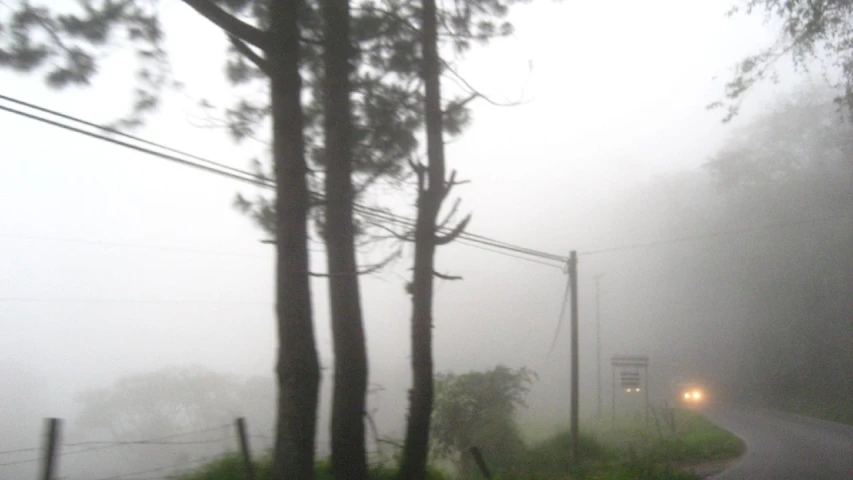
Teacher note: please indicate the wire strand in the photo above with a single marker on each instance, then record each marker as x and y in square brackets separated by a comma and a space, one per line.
[710, 235]
[562, 314]
[116, 132]
[237, 174]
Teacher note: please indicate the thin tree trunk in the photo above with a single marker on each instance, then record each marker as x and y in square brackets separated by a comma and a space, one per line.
[429, 201]
[298, 366]
[349, 460]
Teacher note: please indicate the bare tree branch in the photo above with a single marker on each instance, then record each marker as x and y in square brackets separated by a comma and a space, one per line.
[416, 166]
[231, 24]
[451, 236]
[450, 215]
[451, 182]
[253, 57]
[365, 271]
[420, 171]
[406, 237]
[444, 276]
[473, 91]
[466, 101]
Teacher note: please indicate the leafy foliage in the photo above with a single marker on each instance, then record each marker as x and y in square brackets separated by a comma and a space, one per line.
[387, 98]
[789, 167]
[174, 400]
[799, 134]
[478, 409]
[66, 46]
[70, 47]
[810, 30]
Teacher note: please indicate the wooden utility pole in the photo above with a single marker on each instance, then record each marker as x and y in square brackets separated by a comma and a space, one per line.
[573, 279]
[50, 443]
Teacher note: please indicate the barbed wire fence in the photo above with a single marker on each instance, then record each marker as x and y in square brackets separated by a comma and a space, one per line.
[186, 456]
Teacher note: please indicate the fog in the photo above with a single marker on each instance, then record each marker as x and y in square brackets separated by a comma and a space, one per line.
[116, 265]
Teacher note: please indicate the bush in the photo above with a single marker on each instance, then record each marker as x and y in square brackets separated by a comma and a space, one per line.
[477, 409]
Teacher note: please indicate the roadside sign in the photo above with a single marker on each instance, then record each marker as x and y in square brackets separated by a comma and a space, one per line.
[633, 378]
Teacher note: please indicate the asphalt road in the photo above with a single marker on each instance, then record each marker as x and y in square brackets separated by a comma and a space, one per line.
[782, 446]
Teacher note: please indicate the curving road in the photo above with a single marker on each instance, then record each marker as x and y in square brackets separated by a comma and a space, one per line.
[781, 446]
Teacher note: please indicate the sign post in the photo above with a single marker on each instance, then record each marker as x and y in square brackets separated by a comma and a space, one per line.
[629, 367]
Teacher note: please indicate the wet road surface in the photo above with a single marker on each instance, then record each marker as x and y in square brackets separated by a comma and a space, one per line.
[782, 446]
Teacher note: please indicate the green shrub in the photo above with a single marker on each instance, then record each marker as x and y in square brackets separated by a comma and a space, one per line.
[477, 409]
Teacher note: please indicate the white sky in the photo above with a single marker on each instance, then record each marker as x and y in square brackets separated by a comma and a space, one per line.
[616, 96]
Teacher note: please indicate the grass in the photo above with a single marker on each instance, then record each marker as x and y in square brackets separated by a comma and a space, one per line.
[632, 450]
[231, 467]
[629, 451]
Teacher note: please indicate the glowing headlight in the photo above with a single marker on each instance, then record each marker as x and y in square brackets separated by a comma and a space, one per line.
[687, 395]
[697, 395]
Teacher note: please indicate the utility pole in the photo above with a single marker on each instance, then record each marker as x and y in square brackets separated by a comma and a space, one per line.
[598, 343]
[575, 398]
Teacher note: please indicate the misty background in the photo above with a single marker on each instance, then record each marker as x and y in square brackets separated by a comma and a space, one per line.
[136, 302]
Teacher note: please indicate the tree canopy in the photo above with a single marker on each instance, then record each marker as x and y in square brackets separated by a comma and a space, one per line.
[792, 168]
[810, 30]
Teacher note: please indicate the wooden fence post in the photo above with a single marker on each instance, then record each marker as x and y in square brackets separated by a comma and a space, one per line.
[50, 448]
[244, 448]
[481, 464]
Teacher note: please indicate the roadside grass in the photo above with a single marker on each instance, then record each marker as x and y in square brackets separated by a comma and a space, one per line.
[231, 467]
[685, 437]
[630, 450]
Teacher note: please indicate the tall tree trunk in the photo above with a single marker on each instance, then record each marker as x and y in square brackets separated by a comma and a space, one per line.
[297, 368]
[429, 201]
[349, 460]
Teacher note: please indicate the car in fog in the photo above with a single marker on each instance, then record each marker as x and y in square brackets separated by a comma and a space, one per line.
[691, 394]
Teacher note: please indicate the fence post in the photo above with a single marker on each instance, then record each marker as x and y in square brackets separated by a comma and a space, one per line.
[244, 448]
[50, 448]
[481, 464]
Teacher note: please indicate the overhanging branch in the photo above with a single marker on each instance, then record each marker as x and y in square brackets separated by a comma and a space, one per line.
[405, 237]
[472, 91]
[231, 24]
[451, 236]
[444, 276]
[450, 215]
[247, 52]
[365, 271]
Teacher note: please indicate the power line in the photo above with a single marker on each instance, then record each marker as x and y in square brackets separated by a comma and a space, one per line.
[237, 174]
[117, 132]
[710, 235]
[20, 450]
[466, 238]
[21, 462]
[470, 238]
[519, 257]
[562, 314]
[250, 179]
[124, 300]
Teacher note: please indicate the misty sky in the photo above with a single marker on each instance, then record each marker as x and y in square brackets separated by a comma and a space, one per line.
[113, 262]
